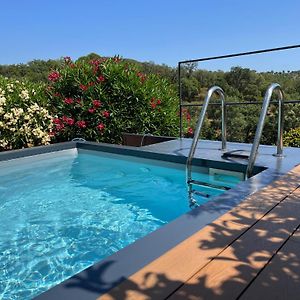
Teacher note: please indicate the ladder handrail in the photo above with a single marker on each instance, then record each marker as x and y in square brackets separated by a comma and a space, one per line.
[258, 133]
[211, 91]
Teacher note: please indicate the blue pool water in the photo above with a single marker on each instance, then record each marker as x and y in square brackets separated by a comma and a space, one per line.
[62, 212]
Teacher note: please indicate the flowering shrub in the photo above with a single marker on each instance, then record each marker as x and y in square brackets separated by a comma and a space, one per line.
[24, 118]
[186, 121]
[100, 99]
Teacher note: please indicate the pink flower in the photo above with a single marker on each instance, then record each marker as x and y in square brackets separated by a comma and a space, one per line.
[101, 126]
[95, 69]
[95, 62]
[68, 120]
[81, 124]
[56, 121]
[106, 114]
[67, 59]
[59, 127]
[153, 105]
[83, 87]
[97, 103]
[68, 100]
[91, 110]
[154, 102]
[101, 78]
[141, 76]
[190, 131]
[64, 118]
[54, 76]
[117, 59]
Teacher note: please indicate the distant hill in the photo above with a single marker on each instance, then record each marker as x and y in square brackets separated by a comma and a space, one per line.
[38, 70]
[239, 83]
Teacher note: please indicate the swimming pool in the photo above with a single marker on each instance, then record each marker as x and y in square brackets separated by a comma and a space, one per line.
[62, 212]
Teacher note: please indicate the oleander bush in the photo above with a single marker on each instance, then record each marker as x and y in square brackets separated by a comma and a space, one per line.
[292, 138]
[24, 117]
[102, 98]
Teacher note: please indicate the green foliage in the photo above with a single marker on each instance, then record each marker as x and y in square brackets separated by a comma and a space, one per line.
[244, 85]
[34, 71]
[24, 118]
[89, 57]
[239, 84]
[292, 138]
[190, 89]
[100, 99]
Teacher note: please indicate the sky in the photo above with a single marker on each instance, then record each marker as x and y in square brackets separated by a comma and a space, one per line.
[162, 31]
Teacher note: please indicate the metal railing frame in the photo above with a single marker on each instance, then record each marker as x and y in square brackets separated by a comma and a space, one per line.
[220, 57]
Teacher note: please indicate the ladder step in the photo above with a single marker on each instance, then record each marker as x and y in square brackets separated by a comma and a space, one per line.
[206, 184]
[198, 193]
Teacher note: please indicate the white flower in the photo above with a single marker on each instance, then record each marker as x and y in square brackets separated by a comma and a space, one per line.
[24, 94]
[37, 132]
[17, 111]
[3, 143]
[8, 116]
[10, 87]
[2, 100]
[34, 107]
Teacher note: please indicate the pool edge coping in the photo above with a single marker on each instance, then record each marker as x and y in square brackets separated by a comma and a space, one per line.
[173, 230]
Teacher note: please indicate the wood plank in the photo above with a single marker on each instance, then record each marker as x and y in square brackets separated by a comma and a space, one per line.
[281, 278]
[228, 274]
[161, 277]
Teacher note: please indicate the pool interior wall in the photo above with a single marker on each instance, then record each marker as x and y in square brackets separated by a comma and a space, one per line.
[99, 278]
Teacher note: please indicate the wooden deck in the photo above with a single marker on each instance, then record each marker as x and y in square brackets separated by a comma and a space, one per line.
[251, 252]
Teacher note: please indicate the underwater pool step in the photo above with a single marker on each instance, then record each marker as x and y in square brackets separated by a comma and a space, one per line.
[202, 194]
[207, 184]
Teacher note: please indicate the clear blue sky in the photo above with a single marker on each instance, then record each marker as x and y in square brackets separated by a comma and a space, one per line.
[163, 31]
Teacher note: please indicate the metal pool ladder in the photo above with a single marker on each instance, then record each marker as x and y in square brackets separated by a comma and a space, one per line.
[261, 122]
[190, 181]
